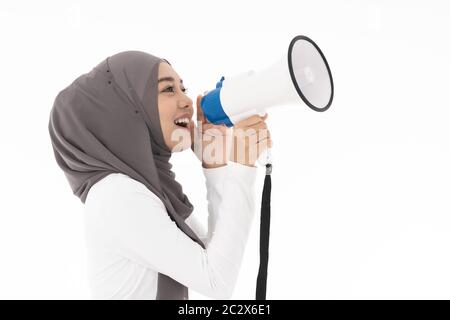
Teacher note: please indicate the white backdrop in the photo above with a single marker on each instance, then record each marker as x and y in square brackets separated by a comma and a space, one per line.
[360, 200]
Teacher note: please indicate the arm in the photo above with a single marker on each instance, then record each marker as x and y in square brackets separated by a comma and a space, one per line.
[193, 222]
[144, 233]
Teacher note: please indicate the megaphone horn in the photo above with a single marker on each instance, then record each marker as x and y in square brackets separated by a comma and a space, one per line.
[305, 74]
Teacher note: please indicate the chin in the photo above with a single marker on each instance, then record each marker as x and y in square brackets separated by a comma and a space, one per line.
[181, 140]
[181, 147]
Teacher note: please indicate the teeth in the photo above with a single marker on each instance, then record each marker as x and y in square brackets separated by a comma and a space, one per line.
[182, 121]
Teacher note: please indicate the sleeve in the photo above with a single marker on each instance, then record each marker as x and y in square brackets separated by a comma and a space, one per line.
[193, 222]
[155, 241]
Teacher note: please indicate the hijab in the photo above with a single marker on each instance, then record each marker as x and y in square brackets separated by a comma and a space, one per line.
[107, 121]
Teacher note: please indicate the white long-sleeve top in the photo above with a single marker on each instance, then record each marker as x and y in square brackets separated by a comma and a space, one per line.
[130, 236]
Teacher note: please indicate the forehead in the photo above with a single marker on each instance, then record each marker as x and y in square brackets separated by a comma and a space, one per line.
[165, 70]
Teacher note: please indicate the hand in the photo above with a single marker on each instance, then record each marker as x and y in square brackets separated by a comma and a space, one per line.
[209, 141]
[250, 138]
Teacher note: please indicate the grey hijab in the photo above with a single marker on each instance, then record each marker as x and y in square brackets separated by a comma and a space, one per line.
[107, 121]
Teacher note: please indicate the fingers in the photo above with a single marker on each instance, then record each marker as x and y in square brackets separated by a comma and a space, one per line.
[263, 135]
[215, 131]
[256, 126]
[260, 129]
[247, 151]
[200, 115]
[254, 136]
[250, 121]
[263, 144]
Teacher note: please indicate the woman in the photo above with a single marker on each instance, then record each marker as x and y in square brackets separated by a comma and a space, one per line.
[113, 131]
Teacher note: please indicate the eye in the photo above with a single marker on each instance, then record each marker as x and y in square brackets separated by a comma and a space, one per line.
[171, 88]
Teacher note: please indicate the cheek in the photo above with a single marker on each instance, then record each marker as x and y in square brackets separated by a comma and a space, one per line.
[167, 124]
[166, 116]
[165, 113]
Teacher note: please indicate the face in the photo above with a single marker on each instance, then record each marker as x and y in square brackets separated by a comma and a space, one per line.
[175, 109]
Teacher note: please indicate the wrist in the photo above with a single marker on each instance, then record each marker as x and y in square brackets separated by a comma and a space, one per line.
[212, 166]
[244, 164]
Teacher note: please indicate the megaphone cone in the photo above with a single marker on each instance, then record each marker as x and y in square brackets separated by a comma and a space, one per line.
[302, 75]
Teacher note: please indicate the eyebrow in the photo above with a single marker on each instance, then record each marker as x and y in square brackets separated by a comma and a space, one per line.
[168, 79]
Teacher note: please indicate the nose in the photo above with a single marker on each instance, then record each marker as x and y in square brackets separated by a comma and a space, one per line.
[186, 102]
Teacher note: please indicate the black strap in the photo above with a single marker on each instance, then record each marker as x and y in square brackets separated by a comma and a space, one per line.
[261, 282]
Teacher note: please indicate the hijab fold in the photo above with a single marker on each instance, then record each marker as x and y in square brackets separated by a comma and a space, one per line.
[107, 121]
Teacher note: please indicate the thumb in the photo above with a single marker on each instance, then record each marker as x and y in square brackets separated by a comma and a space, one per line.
[192, 128]
[200, 115]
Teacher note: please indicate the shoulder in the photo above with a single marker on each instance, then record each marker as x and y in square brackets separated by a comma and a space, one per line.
[119, 188]
[116, 183]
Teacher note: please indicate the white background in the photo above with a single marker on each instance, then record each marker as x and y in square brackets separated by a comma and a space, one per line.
[360, 200]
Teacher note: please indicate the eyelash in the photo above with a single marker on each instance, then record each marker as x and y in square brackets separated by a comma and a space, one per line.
[184, 89]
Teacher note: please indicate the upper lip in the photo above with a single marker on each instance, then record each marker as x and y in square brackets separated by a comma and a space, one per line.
[185, 115]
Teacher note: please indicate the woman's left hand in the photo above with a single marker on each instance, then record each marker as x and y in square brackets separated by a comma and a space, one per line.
[210, 142]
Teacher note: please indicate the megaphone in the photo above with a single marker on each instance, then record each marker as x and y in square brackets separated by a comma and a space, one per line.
[303, 74]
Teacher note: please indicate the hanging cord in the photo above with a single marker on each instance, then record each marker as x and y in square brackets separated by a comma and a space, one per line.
[261, 282]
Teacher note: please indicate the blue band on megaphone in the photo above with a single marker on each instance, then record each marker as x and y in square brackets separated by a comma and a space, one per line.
[212, 108]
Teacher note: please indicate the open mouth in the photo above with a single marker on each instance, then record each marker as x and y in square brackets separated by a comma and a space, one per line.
[182, 122]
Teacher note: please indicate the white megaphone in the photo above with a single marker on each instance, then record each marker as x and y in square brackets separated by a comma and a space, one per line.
[303, 73]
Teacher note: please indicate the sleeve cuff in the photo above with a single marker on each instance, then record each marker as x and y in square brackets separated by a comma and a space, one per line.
[232, 169]
[214, 174]
[244, 172]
